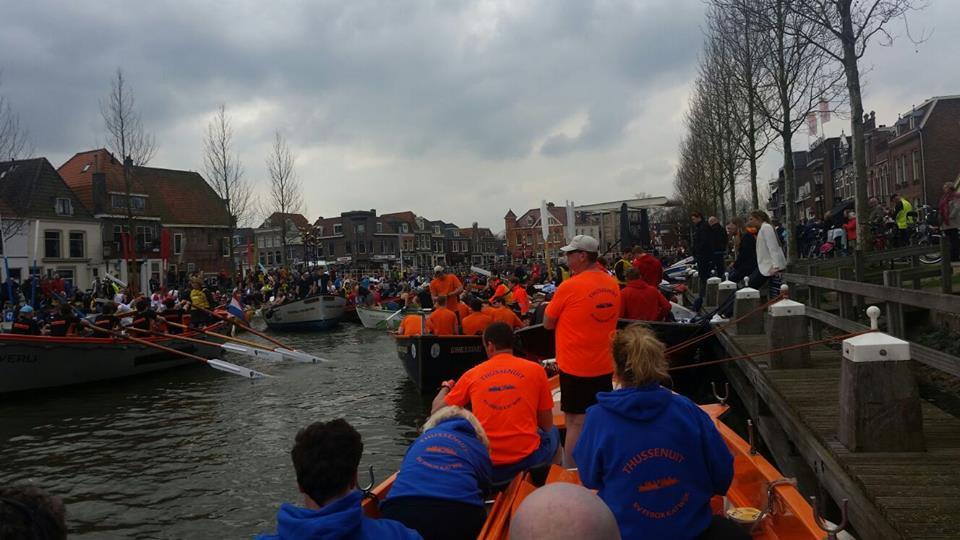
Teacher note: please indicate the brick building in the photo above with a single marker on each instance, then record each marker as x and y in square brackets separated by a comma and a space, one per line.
[269, 239]
[524, 235]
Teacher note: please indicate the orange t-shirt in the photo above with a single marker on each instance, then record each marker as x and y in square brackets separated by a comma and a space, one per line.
[411, 326]
[442, 322]
[444, 286]
[506, 315]
[475, 323]
[522, 298]
[503, 293]
[586, 307]
[505, 393]
[462, 310]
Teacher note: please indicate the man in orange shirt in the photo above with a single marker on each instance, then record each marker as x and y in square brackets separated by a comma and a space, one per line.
[445, 284]
[477, 321]
[442, 322]
[412, 324]
[520, 296]
[511, 397]
[502, 313]
[584, 313]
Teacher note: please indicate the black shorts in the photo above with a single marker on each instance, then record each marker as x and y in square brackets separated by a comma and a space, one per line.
[578, 393]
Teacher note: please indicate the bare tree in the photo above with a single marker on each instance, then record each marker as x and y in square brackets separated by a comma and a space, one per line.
[841, 30]
[224, 173]
[795, 76]
[127, 139]
[286, 191]
[733, 22]
[14, 140]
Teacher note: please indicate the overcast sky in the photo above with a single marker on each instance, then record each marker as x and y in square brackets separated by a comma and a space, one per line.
[456, 110]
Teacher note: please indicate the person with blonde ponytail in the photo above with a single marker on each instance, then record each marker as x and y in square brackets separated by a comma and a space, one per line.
[654, 456]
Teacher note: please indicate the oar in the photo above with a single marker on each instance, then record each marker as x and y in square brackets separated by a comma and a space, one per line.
[258, 348]
[212, 362]
[282, 348]
[262, 354]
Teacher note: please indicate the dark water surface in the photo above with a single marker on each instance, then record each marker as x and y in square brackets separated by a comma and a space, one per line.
[196, 453]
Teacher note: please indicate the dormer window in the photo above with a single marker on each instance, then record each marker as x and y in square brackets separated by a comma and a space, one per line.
[404, 228]
[85, 168]
[64, 206]
[436, 229]
[337, 228]
[379, 227]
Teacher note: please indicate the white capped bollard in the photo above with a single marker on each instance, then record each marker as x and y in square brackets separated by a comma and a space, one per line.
[695, 283]
[746, 300]
[725, 291]
[879, 398]
[713, 285]
[788, 326]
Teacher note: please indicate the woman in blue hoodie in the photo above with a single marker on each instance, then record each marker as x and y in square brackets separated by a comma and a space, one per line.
[439, 491]
[655, 456]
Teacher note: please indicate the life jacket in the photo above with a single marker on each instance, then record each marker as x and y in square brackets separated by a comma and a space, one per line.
[174, 316]
[142, 320]
[59, 326]
[108, 322]
[903, 218]
[25, 327]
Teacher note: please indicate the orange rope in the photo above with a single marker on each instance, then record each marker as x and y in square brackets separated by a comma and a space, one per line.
[771, 351]
[720, 327]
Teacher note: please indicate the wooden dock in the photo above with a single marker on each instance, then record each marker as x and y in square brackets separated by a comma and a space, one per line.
[891, 495]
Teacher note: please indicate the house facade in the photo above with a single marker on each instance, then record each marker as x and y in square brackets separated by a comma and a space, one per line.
[44, 222]
[269, 238]
[524, 234]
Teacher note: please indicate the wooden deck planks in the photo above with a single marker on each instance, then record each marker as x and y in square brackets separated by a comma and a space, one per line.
[917, 492]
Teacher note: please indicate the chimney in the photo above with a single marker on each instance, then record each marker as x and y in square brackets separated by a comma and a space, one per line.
[128, 161]
[99, 185]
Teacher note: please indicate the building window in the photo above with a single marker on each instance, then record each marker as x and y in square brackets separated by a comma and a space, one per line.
[67, 275]
[361, 247]
[178, 244]
[379, 227]
[76, 245]
[117, 231]
[916, 167]
[361, 228]
[436, 229]
[337, 228]
[348, 247]
[270, 257]
[51, 244]
[64, 206]
[320, 230]
[383, 245]
[136, 202]
[144, 236]
[404, 228]
[225, 246]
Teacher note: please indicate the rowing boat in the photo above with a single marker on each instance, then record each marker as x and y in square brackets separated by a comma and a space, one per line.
[313, 313]
[757, 485]
[379, 318]
[430, 360]
[43, 362]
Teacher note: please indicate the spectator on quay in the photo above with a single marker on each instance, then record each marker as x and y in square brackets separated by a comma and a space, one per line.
[850, 226]
[902, 212]
[719, 244]
[27, 512]
[325, 457]
[447, 505]
[770, 259]
[646, 449]
[512, 399]
[949, 208]
[745, 249]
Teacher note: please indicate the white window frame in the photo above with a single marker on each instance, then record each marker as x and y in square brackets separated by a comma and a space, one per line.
[337, 228]
[64, 206]
[83, 245]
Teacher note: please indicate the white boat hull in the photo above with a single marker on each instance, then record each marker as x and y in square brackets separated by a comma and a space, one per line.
[314, 313]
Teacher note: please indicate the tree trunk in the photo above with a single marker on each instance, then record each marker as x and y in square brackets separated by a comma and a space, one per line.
[789, 189]
[852, 72]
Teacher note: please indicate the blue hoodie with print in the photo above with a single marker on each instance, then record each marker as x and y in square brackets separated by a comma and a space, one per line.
[656, 459]
[447, 462]
[342, 519]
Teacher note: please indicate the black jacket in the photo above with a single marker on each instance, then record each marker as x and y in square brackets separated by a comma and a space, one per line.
[718, 238]
[702, 245]
[746, 261]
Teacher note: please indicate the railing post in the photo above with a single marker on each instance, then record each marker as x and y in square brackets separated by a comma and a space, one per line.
[860, 274]
[746, 300]
[879, 398]
[788, 326]
[895, 323]
[710, 300]
[846, 302]
[946, 267]
[725, 291]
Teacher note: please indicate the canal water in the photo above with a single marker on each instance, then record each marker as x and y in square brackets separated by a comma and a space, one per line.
[196, 453]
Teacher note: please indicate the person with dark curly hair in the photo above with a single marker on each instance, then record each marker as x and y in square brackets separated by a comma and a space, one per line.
[325, 457]
[29, 512]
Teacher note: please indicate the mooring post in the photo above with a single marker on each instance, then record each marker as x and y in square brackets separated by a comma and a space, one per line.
[713, 287]
[788, 326]
[746, 300]
[695, 283]
[725, 291]
[879, 398]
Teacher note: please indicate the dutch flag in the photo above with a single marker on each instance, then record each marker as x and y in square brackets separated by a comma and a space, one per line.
[235, 308]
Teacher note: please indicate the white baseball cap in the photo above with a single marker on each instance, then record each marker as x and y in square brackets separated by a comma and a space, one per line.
[438, 269]
[582, 242]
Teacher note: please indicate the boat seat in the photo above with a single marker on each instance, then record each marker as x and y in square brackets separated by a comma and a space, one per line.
[538, 477]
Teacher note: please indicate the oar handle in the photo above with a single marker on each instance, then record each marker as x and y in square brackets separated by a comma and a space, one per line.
[146, 343]
[225, 337]
[241, 325]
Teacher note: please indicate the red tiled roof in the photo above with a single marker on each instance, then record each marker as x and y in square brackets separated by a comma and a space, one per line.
[559, 213]
[184, 197]
[406, 216]
[298, 220]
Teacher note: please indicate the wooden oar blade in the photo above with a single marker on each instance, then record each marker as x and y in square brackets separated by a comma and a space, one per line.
[244, 372]
[262, 354]
[300, 356]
